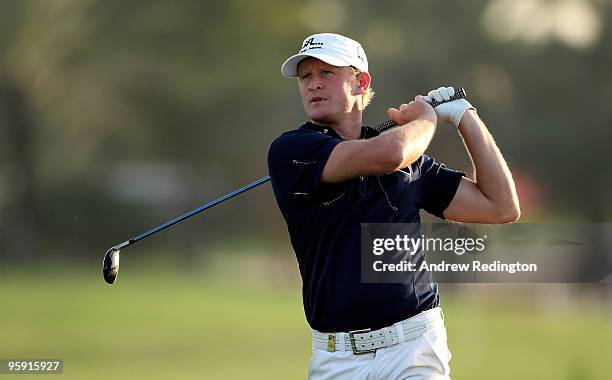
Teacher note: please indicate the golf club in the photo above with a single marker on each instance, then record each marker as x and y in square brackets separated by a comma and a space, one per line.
[110, 264]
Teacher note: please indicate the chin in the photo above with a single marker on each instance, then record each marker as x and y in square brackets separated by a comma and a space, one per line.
[322, 121]
[320, 117]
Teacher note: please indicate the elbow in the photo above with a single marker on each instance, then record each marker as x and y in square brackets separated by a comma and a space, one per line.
[397, 157]
[394, 158]
[509, 214]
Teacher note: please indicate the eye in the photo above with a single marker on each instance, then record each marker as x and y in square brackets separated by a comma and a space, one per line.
[304, 76]
[326, 73]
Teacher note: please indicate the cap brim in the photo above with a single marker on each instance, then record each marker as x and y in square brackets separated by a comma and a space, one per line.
[289, 68]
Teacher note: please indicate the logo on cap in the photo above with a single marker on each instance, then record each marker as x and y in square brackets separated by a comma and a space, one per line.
[310, 44]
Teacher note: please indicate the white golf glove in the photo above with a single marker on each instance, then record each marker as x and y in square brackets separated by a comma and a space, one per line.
[450, 112]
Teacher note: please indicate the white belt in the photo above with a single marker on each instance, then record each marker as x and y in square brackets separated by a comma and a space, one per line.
[364, 341]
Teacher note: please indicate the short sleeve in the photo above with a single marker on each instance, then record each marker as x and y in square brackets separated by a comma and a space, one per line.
[296, 161]
[438, 185]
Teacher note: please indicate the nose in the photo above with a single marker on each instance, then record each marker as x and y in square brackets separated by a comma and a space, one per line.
[315, 83]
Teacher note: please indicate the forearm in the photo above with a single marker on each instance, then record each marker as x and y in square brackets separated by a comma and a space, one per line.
[408, 142]
[491, 172]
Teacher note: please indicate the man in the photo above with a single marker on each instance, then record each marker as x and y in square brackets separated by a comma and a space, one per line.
[331, 174]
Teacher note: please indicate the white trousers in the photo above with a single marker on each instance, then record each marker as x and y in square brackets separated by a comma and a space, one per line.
[425, 357]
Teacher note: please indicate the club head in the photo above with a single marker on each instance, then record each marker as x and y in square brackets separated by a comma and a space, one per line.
[110, 265]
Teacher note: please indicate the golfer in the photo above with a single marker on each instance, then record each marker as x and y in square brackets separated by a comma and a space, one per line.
[332, 174]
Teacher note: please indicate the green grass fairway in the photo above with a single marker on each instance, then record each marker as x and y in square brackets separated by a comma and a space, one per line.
[180, 327]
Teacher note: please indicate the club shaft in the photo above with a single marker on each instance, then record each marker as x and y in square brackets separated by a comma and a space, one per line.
[380, 128]
[193, 212]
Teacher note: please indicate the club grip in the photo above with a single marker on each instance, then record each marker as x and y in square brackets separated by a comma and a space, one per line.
[459, 94]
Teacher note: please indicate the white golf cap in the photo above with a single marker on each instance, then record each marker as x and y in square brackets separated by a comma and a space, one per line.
[331, 48]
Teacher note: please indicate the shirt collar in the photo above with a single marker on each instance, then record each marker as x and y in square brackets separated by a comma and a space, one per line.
[366, 132]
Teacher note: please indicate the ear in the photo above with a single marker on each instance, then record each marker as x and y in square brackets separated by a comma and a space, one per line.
[363, 82]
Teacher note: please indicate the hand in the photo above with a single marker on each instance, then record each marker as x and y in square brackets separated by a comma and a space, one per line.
[416, 109]
[450, 112]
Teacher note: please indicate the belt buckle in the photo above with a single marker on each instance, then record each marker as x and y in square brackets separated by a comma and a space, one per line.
[352, 339]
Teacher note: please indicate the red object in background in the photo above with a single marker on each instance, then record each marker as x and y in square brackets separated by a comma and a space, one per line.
[531, 193]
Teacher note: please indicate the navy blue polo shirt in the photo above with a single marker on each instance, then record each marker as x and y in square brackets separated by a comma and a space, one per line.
[324, 226]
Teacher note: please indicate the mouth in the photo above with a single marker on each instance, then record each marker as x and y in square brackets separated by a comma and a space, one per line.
[316, 99]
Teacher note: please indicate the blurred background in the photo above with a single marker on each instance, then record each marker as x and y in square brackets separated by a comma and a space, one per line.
[116, 116]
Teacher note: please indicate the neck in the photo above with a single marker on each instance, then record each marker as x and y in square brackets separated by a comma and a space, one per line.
[348, 126]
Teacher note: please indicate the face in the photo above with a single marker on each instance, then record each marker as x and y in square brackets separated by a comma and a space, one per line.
[327, 91]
